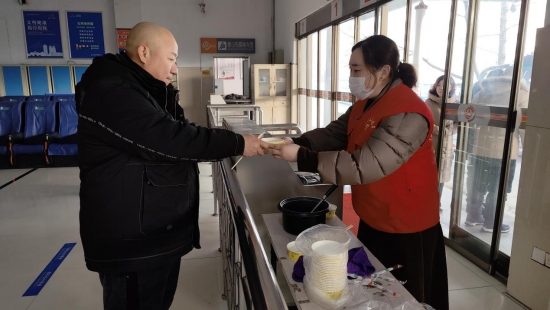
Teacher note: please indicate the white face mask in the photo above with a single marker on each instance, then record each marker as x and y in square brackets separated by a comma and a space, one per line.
[358, 88]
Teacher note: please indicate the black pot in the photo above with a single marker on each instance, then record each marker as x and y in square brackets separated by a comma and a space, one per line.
[297, 215]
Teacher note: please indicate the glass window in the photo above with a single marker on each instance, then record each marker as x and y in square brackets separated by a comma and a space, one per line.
[13, 81]
[366, 25]
[346, 40]
[428, 42]
[325, 76]
[394, 16]
[78, 72]
[39, 80]
[61, 78]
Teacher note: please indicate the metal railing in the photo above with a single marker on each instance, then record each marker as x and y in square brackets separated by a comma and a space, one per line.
[285, 129]
[254, 111]
[249, 280]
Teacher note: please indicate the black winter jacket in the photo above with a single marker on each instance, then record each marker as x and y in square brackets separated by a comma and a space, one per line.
[139, 191]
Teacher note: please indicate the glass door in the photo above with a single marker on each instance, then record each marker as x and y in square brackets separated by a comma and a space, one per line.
[488, 49]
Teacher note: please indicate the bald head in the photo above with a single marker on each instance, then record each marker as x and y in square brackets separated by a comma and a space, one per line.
[154, 48]
[149, 34]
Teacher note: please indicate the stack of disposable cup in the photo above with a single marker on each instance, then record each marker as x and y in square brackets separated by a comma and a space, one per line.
[329, 268]
[325, 250]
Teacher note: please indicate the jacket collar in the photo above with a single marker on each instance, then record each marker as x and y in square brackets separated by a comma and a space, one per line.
[155, 87]
[388, 87]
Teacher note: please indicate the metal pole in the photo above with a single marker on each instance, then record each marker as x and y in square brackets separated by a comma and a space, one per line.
[447, 73]
[334, 72]
[407, 30]
[420, 10]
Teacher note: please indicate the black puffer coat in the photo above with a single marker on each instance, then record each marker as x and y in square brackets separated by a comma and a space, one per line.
[139, 192]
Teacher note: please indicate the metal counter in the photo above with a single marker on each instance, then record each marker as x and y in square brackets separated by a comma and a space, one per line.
[255, 187]
[265, 181]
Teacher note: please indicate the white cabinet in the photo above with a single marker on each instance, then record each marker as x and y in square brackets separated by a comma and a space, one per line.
[271, 92]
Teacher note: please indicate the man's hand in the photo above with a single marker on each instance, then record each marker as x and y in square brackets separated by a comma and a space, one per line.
[254, 146]
[288, 152]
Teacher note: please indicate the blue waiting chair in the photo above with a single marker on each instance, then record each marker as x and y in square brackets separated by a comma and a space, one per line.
[39, 127]
[66, 143]
[65, 97]
[13, 98]
[39, 98]
[11, 122]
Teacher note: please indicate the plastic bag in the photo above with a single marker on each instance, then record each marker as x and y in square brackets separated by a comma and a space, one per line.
[325, 251]
[379, 305]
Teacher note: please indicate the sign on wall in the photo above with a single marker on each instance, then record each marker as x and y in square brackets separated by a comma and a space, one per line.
[336, 9]
[122, 37]
[42, 34]
[85, 34]
[239, 46]
[364, 3]
[225, 68]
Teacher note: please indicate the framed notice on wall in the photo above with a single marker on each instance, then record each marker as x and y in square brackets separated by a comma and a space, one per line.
[85, 34]
[122, 37]
[42, 34]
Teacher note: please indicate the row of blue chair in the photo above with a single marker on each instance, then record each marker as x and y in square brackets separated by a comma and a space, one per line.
[56, 98]
[36, 133]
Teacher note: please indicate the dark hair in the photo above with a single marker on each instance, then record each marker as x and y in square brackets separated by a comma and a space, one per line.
[439, 79]
[378, 51]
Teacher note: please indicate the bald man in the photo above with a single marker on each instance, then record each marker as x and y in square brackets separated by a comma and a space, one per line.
[139, 192]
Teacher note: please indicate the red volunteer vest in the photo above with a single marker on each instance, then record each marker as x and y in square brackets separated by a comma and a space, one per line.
[407, 200]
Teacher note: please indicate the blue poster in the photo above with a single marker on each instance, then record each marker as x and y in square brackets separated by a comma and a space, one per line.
[42, 34]
[85, 34]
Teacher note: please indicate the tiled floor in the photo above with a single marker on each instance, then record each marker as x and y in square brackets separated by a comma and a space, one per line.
[39, 213]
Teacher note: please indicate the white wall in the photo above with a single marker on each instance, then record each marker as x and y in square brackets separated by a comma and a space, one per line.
[127, 13]
[12, 41]
[223, 19]
[287, 13]
[528, 280]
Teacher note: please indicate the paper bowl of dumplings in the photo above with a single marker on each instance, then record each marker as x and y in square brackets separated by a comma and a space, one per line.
[273, 140]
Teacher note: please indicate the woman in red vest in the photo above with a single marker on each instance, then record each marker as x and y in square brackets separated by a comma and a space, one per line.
[382, 147]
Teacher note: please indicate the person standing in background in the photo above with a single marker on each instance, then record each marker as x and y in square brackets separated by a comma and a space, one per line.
[487, 146]
[434, 103]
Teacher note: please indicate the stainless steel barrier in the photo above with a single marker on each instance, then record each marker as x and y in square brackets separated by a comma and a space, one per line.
[254, 111]
[287, 129]
[249, 280]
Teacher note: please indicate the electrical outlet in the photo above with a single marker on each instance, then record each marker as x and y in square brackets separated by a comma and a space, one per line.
[538, 256]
